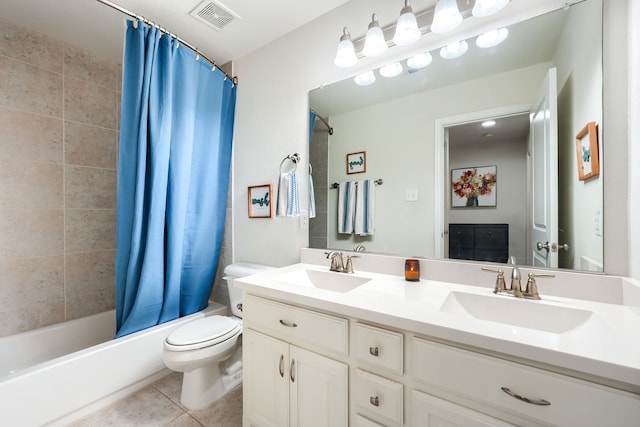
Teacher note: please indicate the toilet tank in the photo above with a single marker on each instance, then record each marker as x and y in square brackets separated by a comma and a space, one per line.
[235, 271]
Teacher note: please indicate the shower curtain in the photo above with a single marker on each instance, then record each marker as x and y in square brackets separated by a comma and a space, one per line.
[173, 173]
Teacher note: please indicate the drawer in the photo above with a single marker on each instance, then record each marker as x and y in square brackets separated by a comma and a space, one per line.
[310, 329]
[491, 255]
[379, 397]
[460, 236]
[491, 238]
[379, 348]
[482, 378]
[362, 421]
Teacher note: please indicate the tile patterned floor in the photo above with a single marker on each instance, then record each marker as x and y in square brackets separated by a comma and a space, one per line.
[159, 405]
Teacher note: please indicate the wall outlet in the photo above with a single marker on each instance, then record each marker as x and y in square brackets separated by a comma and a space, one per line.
[304, 219]
[411, 195]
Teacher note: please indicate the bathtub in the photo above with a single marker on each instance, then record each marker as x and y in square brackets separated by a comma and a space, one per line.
[59, 373]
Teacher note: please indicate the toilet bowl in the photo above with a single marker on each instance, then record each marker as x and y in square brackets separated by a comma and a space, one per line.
[208, 351]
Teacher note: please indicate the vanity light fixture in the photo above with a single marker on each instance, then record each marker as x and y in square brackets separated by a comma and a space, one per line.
[454, 50]
[419, 61]
[346, 54]
[488, 7]
[391, 70]
[492, 38]
[374, 42]
[446, 16]
[365, 79]
[407, 31]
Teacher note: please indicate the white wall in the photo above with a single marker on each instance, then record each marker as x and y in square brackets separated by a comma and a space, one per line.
[272, 121]
[634, 136]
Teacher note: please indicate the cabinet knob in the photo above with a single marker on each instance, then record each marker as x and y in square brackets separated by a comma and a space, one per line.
[373, 351]
[374, 400]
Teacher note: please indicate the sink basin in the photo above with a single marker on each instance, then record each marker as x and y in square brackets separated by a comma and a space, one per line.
[328, 280]
[511, 311]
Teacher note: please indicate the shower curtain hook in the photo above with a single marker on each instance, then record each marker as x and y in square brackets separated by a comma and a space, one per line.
[197, 55]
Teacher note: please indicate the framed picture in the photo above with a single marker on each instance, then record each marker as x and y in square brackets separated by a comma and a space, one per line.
[260, 205]
[357, 162]
[474, 187]
[587, 152]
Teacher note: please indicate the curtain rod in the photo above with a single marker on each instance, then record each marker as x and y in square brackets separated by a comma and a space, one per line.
[318, 116]
[182, 41]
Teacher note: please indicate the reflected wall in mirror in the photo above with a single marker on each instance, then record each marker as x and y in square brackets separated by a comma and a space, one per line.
[413, 130]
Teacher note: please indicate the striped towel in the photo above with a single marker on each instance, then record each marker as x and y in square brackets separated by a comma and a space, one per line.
[312, 199]
[364, 213]
[288, 195]
[346, 207]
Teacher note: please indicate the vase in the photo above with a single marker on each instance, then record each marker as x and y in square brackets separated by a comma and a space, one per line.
[472, 201]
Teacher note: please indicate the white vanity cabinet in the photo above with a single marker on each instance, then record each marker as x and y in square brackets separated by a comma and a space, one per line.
[284, 383]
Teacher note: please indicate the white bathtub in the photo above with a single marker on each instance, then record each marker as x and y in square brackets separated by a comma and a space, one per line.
[55, 374]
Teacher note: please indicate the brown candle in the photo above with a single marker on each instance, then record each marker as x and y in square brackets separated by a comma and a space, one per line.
[412, 270]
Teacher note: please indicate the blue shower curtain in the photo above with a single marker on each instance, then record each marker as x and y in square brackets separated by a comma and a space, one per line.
[173, 173]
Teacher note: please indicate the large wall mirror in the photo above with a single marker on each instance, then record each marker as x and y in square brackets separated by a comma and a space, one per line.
[423, 138]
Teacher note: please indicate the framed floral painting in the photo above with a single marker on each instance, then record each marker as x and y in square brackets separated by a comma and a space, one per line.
[474, 187]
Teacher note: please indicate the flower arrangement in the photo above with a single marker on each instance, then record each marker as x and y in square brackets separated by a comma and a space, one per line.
[471, 184]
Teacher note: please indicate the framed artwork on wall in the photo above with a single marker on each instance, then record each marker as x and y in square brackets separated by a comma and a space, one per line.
[260, 205]
[474, 186]
[587, 152]
[357, 162]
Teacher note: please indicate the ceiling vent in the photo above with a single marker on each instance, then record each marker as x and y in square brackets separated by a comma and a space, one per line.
[214, 14]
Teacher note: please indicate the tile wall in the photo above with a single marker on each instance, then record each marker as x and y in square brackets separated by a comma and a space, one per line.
[58, 147]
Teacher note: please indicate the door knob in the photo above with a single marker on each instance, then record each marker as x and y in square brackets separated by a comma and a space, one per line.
[553, 247]
[540, 246]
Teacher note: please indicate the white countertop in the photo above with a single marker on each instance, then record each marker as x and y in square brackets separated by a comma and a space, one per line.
[605, 348]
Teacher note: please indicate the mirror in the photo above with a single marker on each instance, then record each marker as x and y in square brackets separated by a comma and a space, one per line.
[415, 130]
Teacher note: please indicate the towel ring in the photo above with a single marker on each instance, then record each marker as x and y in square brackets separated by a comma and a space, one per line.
[293, 160]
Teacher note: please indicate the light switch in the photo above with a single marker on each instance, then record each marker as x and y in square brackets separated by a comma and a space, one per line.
[598, 222]
[411, 195]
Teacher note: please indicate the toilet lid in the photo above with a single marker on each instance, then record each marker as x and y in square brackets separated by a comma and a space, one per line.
[211, 328]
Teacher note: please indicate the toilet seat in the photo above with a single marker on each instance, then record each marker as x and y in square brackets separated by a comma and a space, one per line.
[203, 333]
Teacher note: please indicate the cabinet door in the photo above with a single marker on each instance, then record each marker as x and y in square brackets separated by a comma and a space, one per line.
[430, 411]
[318, 390]
[266, 380]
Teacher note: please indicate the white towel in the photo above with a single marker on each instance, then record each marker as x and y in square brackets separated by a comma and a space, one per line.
[312, 199]
[288, 198]
[364, 212]
[346, 207]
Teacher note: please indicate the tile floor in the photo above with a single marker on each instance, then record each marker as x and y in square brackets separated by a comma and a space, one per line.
[159, 405]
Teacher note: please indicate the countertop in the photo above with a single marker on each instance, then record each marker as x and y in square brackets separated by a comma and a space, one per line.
[604, 348]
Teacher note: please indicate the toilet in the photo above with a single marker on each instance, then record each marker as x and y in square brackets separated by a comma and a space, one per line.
[209, 350]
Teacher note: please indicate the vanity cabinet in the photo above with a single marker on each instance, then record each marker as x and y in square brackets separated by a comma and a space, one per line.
[286, 384]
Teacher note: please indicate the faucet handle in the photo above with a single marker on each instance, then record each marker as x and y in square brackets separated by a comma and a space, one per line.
[348, 268]
[531, 290]
[500, 287]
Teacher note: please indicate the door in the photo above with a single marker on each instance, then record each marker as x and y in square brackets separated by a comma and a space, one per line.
[318, 390]
[543, 177]
[266, 380]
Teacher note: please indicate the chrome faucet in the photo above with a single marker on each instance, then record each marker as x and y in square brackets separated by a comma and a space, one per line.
[337, 263]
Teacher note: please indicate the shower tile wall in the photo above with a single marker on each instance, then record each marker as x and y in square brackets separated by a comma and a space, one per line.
[318, 157]
[59, 115]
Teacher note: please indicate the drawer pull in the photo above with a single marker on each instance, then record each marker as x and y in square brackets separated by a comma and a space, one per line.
[373, 351]
[374, 400]
[540, 402]
[288, 324]
[281, 366]
[292, 371]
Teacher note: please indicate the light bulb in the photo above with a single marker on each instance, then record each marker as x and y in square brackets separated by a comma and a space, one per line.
[391, 70]
[488, 7]
[374, 42]
[492, 38]
[446, 16]
[454, 50]
[419, 61]
[346, 54]
[365, 79]
[407, 31]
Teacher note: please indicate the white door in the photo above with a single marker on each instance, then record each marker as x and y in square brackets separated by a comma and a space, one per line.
[318, 390]
[543, 151]
[266, 380]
